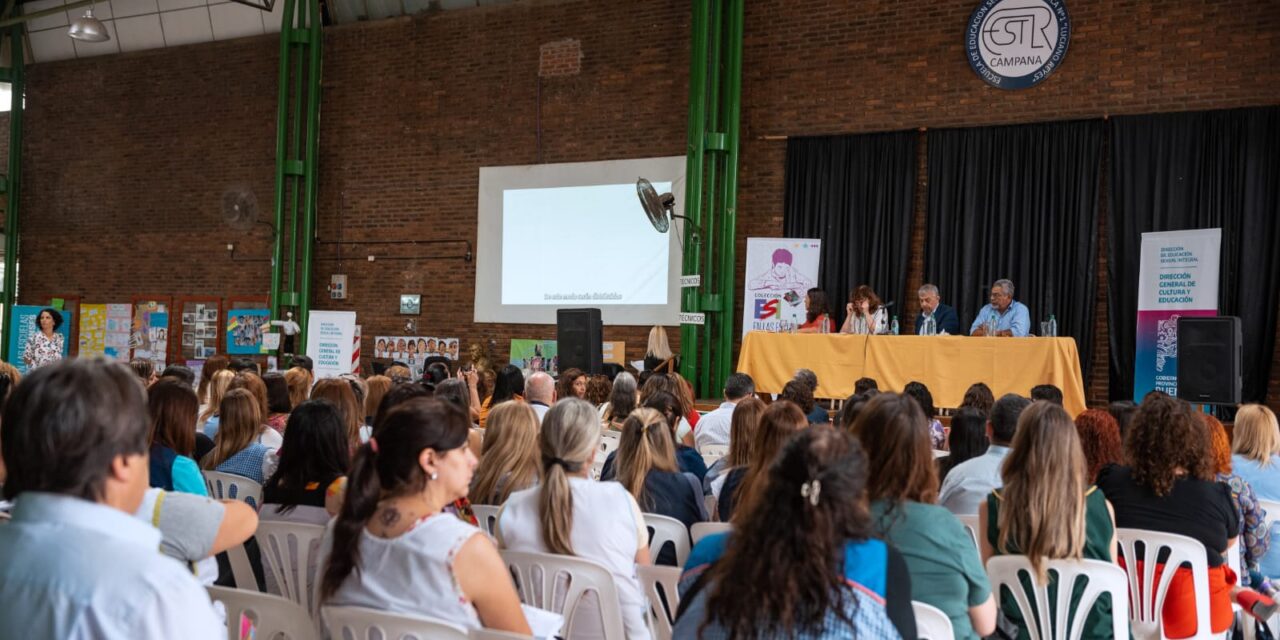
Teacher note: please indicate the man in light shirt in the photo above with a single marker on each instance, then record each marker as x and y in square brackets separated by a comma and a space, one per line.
[540, 393]
[74, 561]
[968, 484]
[1010, 317]
[713, 428]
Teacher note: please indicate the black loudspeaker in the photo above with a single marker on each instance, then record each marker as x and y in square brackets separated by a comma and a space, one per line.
[578, 340]
[1209, 355]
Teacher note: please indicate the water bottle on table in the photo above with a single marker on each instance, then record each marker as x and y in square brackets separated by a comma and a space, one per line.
[1053, 326]
[893, 326]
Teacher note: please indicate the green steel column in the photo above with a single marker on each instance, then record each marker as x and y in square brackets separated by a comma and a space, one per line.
[690, 297]
[297, 141]
[710, 241]
[15, 73]
[732, 101]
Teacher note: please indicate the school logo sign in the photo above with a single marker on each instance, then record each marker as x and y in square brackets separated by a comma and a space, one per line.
[1016, 44]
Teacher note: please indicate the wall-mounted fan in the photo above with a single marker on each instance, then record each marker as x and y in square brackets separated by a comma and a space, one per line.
[239, 208]
[659, 208]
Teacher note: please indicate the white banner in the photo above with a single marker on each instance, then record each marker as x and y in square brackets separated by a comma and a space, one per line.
[780, 271]
[1179, 277]
[330, 338]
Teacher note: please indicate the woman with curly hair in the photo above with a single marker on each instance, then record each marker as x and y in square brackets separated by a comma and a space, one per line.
[823, 576]
[1254, 536]
[1100, 438]
[1170, 486]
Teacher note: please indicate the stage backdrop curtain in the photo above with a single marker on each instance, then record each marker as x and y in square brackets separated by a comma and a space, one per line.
[857, 194]
[1017, 202]
[1193, 171]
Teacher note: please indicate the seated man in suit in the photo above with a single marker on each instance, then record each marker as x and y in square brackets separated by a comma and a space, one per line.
[1010, 317]
[935, 317]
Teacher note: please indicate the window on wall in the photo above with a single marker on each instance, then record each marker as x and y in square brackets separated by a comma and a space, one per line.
[6, 97]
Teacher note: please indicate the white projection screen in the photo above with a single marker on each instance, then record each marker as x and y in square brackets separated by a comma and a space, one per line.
[573, 235]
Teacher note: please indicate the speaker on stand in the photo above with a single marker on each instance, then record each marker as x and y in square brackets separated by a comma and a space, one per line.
[579, 341]
[1209, 360]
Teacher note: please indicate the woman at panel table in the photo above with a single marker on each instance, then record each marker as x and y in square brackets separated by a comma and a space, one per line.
[45, 345]
[818, 313]
[865, 314]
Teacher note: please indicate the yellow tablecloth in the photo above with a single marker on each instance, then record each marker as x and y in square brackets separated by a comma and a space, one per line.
[946, 364]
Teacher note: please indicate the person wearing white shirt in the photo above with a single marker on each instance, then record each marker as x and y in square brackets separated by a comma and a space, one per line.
[540, 393]
[713, 428]
[74, 561]
[968, 484]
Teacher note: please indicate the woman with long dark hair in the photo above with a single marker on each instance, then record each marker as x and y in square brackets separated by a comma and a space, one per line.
[902, 484]
[817, 318]
[967, 439]
[509, 385]
[778, 423]
[391, 548]
[822, 575]
[310, 478]
[173, 405]
[278, 403]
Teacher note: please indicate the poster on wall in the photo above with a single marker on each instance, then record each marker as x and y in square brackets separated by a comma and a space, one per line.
[149, 337]
[330, 337]
[532, 356]
[24, 325]
[780, 271]
[614, 352]
[244, 331]
[93, 330]
[1178, 278]
[414, 350]
[116, 339]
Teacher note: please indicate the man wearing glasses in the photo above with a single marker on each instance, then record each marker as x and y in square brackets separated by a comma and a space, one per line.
[1003, 316]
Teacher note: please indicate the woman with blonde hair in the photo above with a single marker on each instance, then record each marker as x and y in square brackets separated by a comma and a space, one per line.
[1255, 445]
[657, 355]
[509, 455]
[212, 365]
[647, 468]
[250, 382]
[236, 448]
[299, 381]
[571, 514]
[1047, 509]
[209, 420]
[378, 387]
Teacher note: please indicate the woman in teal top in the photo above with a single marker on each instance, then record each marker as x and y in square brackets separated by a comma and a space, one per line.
[902, 485]
[1047, 510]
[172, 405]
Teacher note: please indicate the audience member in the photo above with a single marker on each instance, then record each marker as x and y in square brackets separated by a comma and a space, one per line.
[1047, 509]
[400, 374]
[920, 393]
[1256, 460]
[671, 408]
[863, 385]
[299, 381]
[145, 370]
[799, 393]
[194, 529]
[864, 313]
[242, 365]
[1009, 317]
[310, 480]
[181, 373]
[841, 582]
[570, 514]
[400, 482]
[508, 385]
[713, 428]
[967, 439]
[378, 387]
[742, 440]
[902, 485]
[1169, 486]
[509, 457]
[1047, 392]
[778, 422]
[1122, 411]
[647, 468]
[278, 403]
[658, 356]
[808, 378]
[852, 405]
[968, 483]
[540, 393]
[979, 396]
[339, 393]
[683, 389]
[74, 561]
[435, 370]
[598, 388]
[817, 317]
[212, 365]
[669, 384]
[249, 381]
[237, 449]
[1255, 539]
[399, 394]
[172, 405]
[623, 399]
[303, 362]
[1100, 440]
[572, 384]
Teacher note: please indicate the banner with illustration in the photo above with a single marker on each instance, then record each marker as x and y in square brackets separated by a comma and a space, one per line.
[244, 331]
[535, 355]
[330, 338]
[24, 326]
[780, 271]
[1178, 278]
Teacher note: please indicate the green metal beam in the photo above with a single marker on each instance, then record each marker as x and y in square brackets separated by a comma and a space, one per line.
[12, 36]
[297, 142]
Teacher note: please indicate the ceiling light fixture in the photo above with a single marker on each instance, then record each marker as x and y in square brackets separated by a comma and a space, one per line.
[87, 28]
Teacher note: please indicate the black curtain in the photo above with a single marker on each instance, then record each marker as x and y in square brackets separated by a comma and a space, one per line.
[857, 194]
[1017, 202]
[1194, 171]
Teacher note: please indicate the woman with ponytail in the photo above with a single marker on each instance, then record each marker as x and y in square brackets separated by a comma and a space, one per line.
[391, 548]
[647, 468]
[571, 514]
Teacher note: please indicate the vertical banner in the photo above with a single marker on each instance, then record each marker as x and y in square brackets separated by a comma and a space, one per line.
[780, 271]
[24, 324]
[1179, 277]
[330, 336]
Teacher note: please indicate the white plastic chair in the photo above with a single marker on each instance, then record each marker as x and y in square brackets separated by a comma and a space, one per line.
[494, 634]
[1144, 616]
[537, 576]
[273, 617]
[487, 517]
[1047, 622]
[361, 623]
[228, 486]
[931, 622]
[291, 553]
[701, 530]
[970, 522]
[713, 452]
[608, 444]
[663, 530]
[660, 583]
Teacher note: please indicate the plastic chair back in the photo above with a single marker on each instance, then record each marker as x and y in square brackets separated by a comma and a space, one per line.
[361, 623]
[664, 530]
[1144, 614]
[931, 622]
[1046, 622]
[538, 575]
[273, 617]
[291, 553]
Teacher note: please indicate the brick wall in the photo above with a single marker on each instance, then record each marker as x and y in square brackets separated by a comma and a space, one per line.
[127, 156]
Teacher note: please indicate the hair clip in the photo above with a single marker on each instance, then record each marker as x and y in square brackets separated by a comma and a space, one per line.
[373, 444]
[811, 490]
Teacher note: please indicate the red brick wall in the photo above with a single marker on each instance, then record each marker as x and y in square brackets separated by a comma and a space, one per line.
[127, 156]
